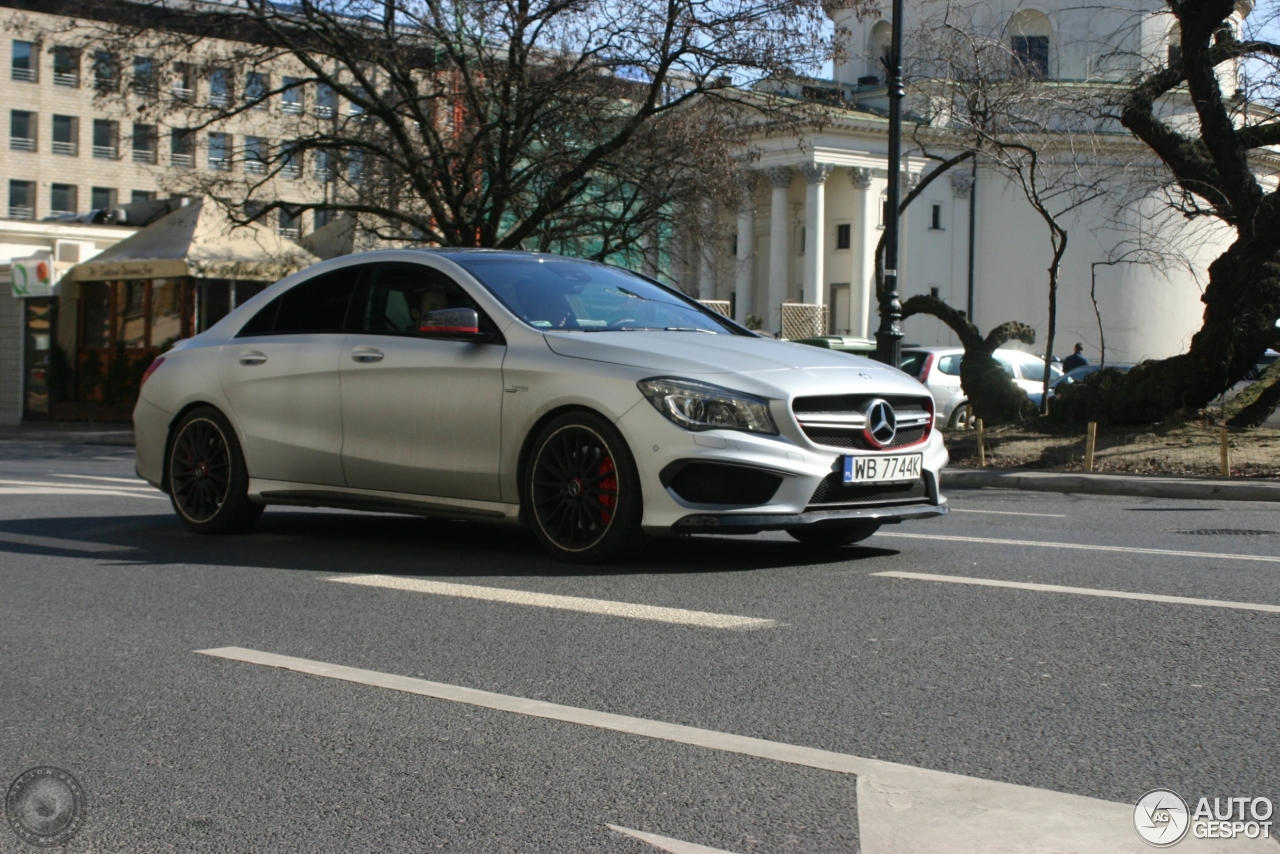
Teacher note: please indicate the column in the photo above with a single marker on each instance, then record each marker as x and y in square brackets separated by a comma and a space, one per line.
[779, 214]
[649, 252]
[815, 175]
[707, 254]
[745, 280]
[863, 272]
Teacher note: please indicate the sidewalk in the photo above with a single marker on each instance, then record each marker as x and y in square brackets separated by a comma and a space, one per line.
[1143, 486]
[82, 433]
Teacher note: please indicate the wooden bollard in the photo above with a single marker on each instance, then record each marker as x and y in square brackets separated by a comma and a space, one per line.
[1224, 452]
[1090, 444]
[982, 449]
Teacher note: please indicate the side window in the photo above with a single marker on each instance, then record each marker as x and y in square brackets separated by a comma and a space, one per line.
[397, 296]
[1006, 366]
[316, 305]
[950, 365]
[911, 364]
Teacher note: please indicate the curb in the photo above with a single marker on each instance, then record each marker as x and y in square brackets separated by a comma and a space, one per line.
[1112, 484]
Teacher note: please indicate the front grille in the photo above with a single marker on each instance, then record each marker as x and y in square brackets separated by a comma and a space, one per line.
[857, 442]
[849, 436]
[833, 490]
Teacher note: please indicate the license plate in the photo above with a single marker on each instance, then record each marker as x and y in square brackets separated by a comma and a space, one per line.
[883, 469]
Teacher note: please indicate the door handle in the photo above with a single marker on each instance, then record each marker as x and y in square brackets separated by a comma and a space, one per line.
[252, 357]
[366, 354]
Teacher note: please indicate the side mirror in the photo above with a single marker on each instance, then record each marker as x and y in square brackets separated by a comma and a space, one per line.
[454, 323]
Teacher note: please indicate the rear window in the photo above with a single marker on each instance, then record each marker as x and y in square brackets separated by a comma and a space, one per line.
[950, 365]
[913, 362]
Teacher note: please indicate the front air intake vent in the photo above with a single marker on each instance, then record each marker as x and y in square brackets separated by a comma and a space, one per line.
[716, 483]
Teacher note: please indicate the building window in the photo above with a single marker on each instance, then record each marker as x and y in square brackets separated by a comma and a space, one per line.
[182, 149]
[219, 152]
[935, 217]
[144, 76]
[326, 101]
[24, 61]
[106, 139]
[184, 82]
[802, 237]
[254, 210]
[879, 48]
[105, 75]
[290, 223]
[255, 90]
[22, 130]
[66, 136]
[138, 197]
[324, 166]
[102, 198]
[1029, 42]
[66, 67]
[145, 140]
[62, 199]
[1174, 45]
[844, 233]
[884, 209]
[323, 216]
[291, 97]
[255, 155]
[355, 166]
[220, 87]
[22, 199]
[290, 161]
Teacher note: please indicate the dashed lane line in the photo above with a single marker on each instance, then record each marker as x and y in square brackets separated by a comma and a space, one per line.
[1081, 591]
[666, 843]
[564, 603]
[60, 543]
[901, 809]
[1011, 513]
[1081, 547]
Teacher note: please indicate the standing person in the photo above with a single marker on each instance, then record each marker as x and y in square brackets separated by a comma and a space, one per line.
[1075, 360]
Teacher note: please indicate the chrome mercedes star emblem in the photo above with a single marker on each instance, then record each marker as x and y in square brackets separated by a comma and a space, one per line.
[882, 424]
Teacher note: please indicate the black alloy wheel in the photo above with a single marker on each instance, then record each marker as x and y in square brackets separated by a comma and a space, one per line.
[844, 535]
[208, 481]
[583, 490]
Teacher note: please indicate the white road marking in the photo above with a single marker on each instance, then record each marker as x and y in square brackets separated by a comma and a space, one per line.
[1082, 591]
[901, 809]
[1083, 547]
[565, 603]
[1011, 513]
[39, 487]
[137, 482]
[59, 543]
[666, 843]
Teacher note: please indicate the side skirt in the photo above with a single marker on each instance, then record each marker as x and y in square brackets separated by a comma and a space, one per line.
[375, 501]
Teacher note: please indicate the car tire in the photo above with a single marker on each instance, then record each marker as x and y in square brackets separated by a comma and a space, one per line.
[961, 417]
[825, 537]
[206, 476]
[582, 490]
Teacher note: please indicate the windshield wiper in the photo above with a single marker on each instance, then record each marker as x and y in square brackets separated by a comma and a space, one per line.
[688, 329]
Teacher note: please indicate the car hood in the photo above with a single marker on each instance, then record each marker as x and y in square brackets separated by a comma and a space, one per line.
[798, 368]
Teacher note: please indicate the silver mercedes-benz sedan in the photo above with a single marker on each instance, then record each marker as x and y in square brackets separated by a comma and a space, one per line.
[588, 403]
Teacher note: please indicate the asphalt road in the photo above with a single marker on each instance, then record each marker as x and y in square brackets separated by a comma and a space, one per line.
[107, 599]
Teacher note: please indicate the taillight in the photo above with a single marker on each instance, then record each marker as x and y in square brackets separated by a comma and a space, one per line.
[924, 371]
[151, 369]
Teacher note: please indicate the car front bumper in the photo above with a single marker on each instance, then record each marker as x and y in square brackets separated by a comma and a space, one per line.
[658, 445]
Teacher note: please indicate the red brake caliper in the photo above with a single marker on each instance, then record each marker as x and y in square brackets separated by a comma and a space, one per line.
[608, 483]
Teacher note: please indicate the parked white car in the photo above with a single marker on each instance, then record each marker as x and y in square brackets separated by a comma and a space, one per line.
[583, 401]
[939, 369]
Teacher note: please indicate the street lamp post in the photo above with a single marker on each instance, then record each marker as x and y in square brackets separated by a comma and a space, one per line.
[889, 335]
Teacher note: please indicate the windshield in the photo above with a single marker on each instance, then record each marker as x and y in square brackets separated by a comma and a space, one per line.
[578, 296]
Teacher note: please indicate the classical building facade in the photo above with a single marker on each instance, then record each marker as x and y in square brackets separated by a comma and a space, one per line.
[813, 207]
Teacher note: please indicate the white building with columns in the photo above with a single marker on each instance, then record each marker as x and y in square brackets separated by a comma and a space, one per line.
[813, 209]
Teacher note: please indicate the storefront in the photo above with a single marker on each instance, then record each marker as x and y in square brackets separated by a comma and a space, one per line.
[172, 280]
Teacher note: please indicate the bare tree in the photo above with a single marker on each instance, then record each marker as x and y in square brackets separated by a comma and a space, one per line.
[1214, 152]
[555, 124]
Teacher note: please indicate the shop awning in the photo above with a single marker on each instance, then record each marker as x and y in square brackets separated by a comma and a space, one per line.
[197, 240]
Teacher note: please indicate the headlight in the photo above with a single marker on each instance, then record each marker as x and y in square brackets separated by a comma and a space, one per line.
[699, 406]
